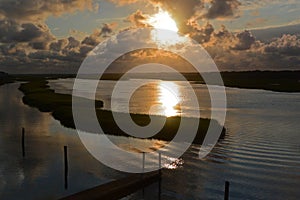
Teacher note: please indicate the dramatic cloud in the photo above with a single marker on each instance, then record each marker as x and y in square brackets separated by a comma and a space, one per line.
[221, 39]
[222, 9]
[286, 45]
[202, 34]
[14, 49]
[41, 9]
[95, 37]
[241, 51]
[33, 45]
[107, 29]
[244, 41]
[58, 45]
[36, 36]
[72, 43]
[186, 13]
[25, 39]
[138, 19]
[11, 31]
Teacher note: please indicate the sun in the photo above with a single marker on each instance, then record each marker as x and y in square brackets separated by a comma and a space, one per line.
[162, 20]
[165, 32]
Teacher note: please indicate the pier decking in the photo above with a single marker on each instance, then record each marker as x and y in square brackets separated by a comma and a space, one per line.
[118, 188]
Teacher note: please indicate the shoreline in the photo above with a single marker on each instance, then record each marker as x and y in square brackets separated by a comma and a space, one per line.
[276, 81]
[38, 94]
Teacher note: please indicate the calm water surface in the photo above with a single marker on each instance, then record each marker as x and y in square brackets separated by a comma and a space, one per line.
[260, 154]
[40, 175]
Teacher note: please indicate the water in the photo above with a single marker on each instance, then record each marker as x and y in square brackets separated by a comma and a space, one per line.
[40, 175]
[260, 154]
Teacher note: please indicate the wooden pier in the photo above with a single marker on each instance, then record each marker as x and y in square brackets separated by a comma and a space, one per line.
[119, 188]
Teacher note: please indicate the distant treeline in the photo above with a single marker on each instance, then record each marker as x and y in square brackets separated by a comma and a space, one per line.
[5, 78]
[280, 81]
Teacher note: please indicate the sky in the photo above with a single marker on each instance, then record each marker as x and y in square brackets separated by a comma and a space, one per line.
[49, 36]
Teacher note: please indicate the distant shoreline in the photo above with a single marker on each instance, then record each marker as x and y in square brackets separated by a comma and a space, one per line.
[277, 81]
[5, 78]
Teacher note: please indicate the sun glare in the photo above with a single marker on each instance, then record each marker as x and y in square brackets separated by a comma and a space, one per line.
[165, 33]
[163, 20]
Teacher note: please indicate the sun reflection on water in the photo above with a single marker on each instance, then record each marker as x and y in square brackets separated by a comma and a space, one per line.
[169, 98]
[173, 163]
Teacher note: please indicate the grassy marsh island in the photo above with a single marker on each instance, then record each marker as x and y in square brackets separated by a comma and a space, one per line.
[38, 94]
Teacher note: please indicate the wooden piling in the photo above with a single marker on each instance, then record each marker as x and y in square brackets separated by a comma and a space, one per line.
[159, 172]
[23, 142]
[143, 162]
[143, 171]
[66, 166]
[226, 194]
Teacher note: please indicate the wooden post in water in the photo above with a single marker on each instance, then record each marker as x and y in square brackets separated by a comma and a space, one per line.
[143, 162]
[23, 142]
[66, 166]
[143, 171]
[159, 171]
[226, 194]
